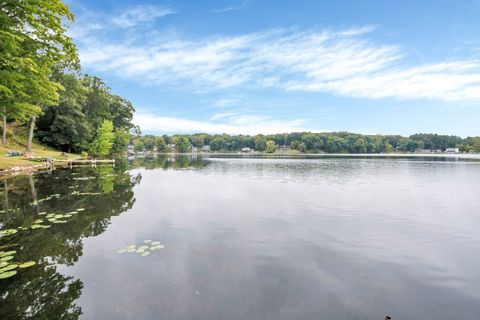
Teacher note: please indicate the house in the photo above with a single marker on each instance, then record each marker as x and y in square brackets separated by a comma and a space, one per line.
[423, 151]
[474, 151]
[206, 148]
[452, 150]
[247, 149]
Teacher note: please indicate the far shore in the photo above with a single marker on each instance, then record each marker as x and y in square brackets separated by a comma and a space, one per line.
[317, 155]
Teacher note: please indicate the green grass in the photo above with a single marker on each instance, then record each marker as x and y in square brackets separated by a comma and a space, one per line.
[16, 141]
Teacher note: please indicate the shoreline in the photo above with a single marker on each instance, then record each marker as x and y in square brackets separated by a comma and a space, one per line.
[17, 170]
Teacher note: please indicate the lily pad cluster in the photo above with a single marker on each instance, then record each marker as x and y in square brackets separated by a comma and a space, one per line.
[7, 232]
[36, 202]
[43, 224]
[62, 218]
[144, 250]
[84, 178]
[7, 267]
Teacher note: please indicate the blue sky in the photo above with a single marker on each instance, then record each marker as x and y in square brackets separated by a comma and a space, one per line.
[271, 66]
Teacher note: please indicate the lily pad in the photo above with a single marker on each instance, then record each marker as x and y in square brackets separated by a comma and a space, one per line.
[145, 254]
[155, 243]
[8, 274]
[121, 251]
[9, 267]
[3, 264]
[42, 213]
[37, 226]
[7, 258]
[147, 241]
[59, 221]
[7, 253]
[132, 246]
[8, 232]
[27, 264]
[81, 209]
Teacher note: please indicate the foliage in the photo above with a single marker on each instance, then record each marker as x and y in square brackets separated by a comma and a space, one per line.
[270, 146]
[182, 144]
[71, 124]
[139, 146]
[162, 145]
[33, 41]
[333, 142]
[104, 139]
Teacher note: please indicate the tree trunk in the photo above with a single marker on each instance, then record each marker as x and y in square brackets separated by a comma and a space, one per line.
[5, 195]
[30, 133]
[4, 134]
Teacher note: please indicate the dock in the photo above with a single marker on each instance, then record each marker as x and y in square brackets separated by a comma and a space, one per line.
[75, 162]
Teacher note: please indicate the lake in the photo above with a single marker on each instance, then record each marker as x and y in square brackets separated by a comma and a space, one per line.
[213, 238]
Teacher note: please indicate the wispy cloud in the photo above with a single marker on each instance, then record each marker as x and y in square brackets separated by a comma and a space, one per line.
[231, 124]
[344, 62]
[226, 9]
[242, 5]
[140, 14]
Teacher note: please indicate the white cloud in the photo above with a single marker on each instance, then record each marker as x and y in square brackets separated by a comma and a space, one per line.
[232, 124]
[140, 14]
[343, 62]
[226, 9]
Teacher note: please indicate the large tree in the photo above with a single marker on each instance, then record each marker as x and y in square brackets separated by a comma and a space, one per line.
[33, 40]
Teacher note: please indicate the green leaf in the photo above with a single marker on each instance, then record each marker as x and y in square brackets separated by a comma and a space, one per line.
[7, 253]
[9, 267]
[6, 258]
[27, 264]
[8, 274]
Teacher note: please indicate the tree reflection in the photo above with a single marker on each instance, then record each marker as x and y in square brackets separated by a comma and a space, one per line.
[170, 161]
[41, 292]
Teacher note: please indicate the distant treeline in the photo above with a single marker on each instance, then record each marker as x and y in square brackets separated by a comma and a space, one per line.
[335, 142]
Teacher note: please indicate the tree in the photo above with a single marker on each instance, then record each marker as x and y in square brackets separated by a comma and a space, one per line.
[183, 144]
[103, 143]
[270, 146]
[139, 147]
[162, 146]
[34, 39]
[260, 143]
[65, 126]
[302, 147]
[120, 142]
[149, 142]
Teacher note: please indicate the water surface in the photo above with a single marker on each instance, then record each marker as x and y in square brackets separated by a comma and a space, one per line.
[247, 238]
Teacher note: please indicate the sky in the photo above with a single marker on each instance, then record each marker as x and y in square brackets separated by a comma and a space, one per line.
[274, 66]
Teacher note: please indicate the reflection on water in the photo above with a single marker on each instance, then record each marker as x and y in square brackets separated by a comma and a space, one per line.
[41, 292]
[318, 238]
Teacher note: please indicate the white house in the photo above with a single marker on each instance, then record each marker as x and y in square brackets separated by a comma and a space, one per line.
[452, 150]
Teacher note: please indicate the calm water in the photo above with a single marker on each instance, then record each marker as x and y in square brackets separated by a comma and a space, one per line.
[326, 238]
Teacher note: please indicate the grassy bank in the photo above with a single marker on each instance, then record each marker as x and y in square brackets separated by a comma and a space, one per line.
[37, 151]
[16, 141]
